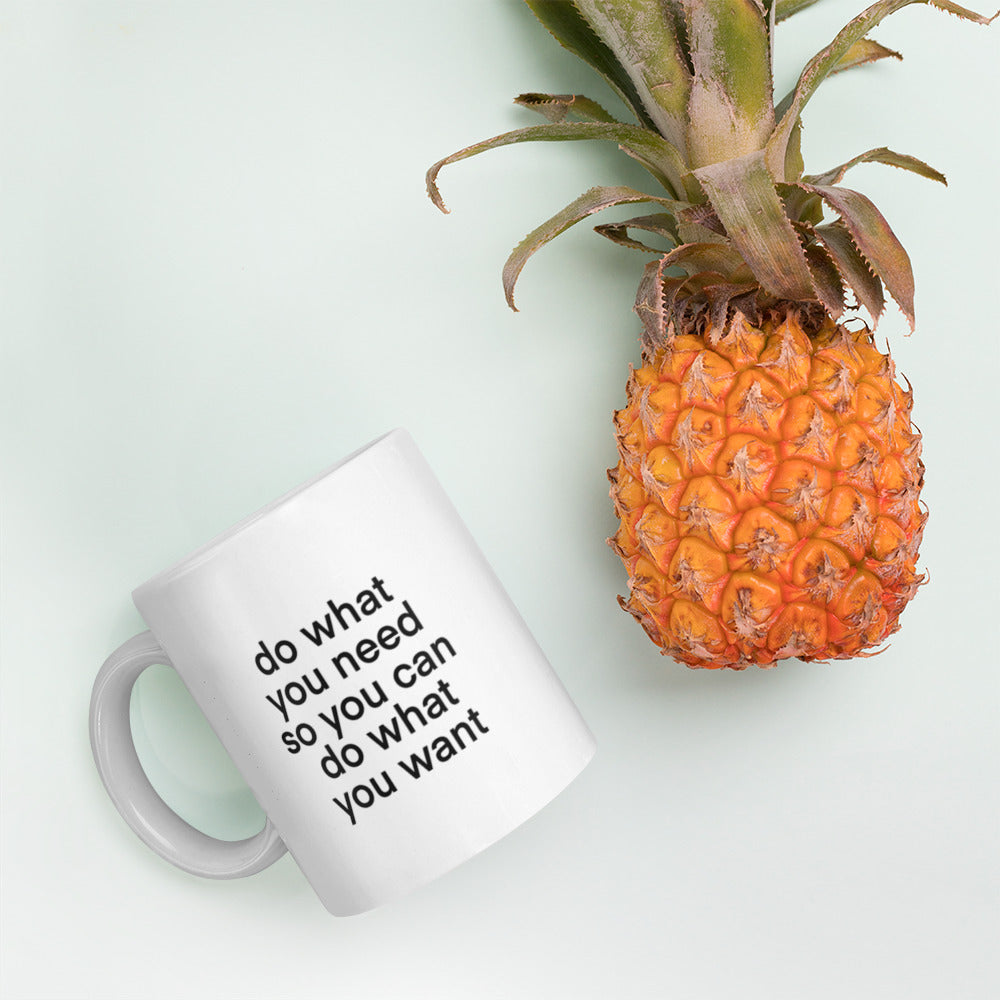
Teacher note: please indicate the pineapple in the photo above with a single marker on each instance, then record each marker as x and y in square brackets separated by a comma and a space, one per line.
[769, 473]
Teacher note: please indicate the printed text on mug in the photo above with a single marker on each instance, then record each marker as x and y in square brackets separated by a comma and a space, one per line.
[368, 733]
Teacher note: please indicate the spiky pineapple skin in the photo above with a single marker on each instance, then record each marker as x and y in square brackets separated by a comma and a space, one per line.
[768, 491]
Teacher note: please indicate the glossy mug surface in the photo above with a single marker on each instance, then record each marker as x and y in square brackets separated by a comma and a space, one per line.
[370, 678]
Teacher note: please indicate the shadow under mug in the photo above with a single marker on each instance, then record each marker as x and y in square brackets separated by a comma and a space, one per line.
[370, 678]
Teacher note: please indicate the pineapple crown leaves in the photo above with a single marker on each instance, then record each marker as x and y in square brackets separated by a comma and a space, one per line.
[742, 218]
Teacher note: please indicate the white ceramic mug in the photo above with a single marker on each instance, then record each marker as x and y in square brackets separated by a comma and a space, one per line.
[369, 677]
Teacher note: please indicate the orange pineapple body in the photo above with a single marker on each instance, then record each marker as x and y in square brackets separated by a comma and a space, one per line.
[768, 494]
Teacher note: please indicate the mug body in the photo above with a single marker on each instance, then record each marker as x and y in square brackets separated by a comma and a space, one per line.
[369, 676]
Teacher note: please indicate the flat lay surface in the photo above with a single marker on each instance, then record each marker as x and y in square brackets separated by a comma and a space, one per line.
[221, 274]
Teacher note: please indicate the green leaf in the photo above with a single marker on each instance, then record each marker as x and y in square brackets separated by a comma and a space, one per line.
[653, 152]
[787, 8]
[651, 305]
[673, 10]
[744, 198]
[700, 224]
[643, 39]
[559, 107]
[880, 155]
[829, 59]
[693, 258]
[853, 268]
[730, 110]
[569, 27]
[594, 200]
[794, 164]
[826, 278]
[801, 206]
[862, 52]
[659, 224]
[877, 243]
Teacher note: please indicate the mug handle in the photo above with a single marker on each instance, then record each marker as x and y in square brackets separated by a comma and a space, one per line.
[153, 821]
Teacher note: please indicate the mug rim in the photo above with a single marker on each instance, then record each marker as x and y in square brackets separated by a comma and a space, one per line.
[209, 548]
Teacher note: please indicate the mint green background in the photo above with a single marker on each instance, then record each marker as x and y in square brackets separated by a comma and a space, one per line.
[221, 273]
